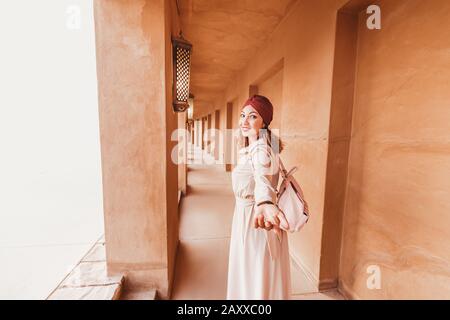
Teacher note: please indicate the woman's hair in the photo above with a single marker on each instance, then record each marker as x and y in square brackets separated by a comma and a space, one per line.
[270, 138]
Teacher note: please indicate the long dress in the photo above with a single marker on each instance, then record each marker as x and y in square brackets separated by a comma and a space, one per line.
[258, 266]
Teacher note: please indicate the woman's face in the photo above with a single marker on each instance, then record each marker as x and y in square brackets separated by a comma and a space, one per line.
[250, 122]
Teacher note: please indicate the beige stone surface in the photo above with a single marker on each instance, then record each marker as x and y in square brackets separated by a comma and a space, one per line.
[90, 274]
[396, 214]
[104, 292]
[136, 121]
[182, 144]
[271, 85]
[216, 138]
[302, 281]
[338, 147]
[325, 295]
[205, 226]
[97, 253]
[225, 35]
[139, 295]
[210, 209]
[201, 271]
[89, 279]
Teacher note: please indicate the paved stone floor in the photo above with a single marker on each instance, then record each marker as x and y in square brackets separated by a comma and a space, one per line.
[89, 280]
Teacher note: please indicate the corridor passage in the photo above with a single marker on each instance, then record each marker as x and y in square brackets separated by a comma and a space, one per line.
[205, 226]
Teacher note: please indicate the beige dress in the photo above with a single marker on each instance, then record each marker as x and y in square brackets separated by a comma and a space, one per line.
[258, 266]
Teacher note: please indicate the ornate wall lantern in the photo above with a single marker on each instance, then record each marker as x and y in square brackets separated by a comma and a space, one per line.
[181, 52]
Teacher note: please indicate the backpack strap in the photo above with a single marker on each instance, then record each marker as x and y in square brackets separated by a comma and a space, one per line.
[285, 174]
[289, 179]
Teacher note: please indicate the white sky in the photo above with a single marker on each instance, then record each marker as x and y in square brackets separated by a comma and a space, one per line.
[50, 175]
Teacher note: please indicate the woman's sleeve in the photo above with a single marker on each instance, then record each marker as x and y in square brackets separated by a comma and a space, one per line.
[264, 167]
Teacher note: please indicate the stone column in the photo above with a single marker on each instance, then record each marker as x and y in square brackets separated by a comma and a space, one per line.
[228, 137]
[208, 131]
[202, 133]
[196, 131]
[182, 149]
[136, 121]
[216, 134]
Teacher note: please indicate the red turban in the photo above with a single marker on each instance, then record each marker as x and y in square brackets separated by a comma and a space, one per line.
[263, 106]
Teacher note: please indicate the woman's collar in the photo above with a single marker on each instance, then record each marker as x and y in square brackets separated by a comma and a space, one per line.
[252, 145]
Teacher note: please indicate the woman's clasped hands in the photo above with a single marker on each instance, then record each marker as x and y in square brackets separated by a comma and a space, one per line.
[268, 217]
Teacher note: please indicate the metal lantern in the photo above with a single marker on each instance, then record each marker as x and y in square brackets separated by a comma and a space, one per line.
[182, 50]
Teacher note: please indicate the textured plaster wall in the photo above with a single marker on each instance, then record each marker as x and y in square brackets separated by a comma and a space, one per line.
[136, 120]
[338, 146]
[396, 214]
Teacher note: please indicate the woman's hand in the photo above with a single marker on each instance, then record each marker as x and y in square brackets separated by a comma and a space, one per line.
[268, 216]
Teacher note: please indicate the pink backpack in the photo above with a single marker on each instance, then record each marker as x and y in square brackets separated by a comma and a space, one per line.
[291, 201]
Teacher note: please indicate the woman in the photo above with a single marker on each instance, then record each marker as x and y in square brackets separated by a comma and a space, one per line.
[259, 256]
